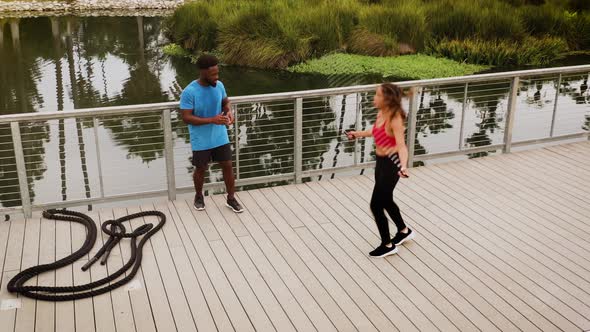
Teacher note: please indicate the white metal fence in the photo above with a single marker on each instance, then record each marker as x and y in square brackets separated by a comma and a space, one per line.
[103, 154]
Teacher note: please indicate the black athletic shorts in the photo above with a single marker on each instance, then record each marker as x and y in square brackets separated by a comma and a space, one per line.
[218, 154]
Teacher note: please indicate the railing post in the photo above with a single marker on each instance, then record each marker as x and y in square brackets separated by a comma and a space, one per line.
[95, 125]
[298, 138]
[237, 139]
[511, 114]
[461, 137]
[555, 107]
[412, 127]
[357, 127]
[21, 170]
[169, 154]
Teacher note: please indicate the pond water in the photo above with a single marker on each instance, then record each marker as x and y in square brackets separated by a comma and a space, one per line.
[64, 63]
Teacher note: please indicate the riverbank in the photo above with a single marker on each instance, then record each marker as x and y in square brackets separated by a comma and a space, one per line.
[282, 33]
[16, 9]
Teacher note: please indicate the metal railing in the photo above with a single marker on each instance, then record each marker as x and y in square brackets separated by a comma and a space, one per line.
[290, 136]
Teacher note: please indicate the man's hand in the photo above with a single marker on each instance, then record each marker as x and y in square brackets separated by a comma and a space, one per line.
[220, 119]
[231, 118]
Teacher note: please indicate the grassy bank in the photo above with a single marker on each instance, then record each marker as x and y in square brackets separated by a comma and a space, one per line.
[404, 67]
[282, 33]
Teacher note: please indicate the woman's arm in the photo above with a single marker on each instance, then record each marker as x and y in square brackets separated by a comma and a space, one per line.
[398, 132]
[358, 134]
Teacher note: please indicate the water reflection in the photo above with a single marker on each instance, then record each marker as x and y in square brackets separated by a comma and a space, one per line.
[19, 94]
[72, 62]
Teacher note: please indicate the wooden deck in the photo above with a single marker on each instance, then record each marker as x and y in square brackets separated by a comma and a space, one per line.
[503, 244]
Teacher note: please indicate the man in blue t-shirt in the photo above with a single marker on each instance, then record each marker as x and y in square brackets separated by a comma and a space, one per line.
[205, 109]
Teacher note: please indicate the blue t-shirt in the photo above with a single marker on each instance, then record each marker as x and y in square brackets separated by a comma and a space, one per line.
[205, 101]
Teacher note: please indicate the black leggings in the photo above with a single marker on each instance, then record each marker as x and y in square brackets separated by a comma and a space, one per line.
[386, 178]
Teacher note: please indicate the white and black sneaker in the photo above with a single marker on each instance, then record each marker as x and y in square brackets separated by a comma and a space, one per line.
[383, 251]
[234, 205]
[400, 237]
[199, 203]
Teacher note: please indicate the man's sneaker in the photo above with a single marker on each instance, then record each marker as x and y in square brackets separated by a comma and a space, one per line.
[400, 237]
[234, 205]
[199, 203]
[383, 251]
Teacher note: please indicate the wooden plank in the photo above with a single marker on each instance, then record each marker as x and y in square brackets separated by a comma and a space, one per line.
[518, 270]
[349, 265]
[106, 306]
[121, 309]
[577, 176]
[4, 236]
[508, 303]
[551, 204]
[272, 201]
[437, 226]
[571, 186]
[313, 299]
[214, 303]
[377, 306]
[205, 224]
[190, 284]
[25, 316]
[257, 214]
[516, 251]
[159, 301]
[296, 262]
[561, 236]
[519, 241]
[222, 218]
[495, 256]
[487, 296]
[436, 307]
[301, 207]
[251, 303]
[177, 298]
[226, 293]
[292, 246]
[296, 247]
[437, 285]
[549, 180]
[12, 260]
[45, 317]
[84, 308]
[532, 231]
[572, 153]
[380, 271]
[235, 224]
[65, 316]
[296, 314]
[7, 317]
[131, 308]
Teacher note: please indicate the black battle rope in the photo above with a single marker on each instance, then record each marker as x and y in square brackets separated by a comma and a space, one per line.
[116, 232]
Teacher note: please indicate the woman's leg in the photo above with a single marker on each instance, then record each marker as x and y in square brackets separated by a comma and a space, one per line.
[378, 200]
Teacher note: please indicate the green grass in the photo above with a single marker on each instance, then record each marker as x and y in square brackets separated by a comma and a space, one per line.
[405, 67]
[175, 50]
[502, 53]
[281, 33]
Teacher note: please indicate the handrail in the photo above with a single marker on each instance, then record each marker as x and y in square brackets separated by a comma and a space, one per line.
[302, 125]
[131, 109]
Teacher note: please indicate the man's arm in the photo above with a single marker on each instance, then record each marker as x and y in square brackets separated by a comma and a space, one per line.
[189, 118]
[226, 109]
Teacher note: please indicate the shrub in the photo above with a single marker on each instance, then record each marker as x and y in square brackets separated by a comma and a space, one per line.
[502, 53]
[193, 27]
[405, 22]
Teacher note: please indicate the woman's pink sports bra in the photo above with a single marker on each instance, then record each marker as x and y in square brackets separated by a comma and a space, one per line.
[381, 137]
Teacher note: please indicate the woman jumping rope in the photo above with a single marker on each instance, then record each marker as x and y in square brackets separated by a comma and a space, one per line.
[392, 158]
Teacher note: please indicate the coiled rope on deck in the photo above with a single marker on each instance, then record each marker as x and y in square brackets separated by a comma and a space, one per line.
[115, 230]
